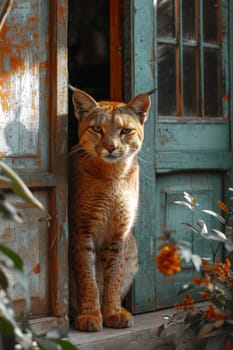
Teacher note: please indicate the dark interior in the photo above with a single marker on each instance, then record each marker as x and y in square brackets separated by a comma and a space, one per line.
[88, 53]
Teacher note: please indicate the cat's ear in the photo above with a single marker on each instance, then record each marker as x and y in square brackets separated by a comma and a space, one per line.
[140, 105]
[83, 103]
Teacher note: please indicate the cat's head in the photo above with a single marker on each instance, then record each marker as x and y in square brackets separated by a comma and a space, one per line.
[111, 130]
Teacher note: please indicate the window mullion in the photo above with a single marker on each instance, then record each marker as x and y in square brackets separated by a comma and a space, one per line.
[223, 56]
[179, 57]
[201, 59]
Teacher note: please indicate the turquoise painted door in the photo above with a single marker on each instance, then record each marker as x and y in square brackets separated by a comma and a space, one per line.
[181, 47]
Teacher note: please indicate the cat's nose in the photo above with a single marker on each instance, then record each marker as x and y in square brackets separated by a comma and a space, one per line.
[110, 148]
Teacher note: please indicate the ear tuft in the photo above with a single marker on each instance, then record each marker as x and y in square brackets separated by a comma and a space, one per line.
[82, 102]
[140, 105]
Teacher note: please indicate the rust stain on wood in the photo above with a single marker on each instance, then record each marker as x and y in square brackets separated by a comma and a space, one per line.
[226, 98]
[6, 236]
[36, 268]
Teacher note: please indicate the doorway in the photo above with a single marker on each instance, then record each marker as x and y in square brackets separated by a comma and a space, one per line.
[88, 53]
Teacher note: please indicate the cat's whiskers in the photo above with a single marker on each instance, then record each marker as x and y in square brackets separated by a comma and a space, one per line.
[86, 156]
[144, 152]
[82, 151]
[143, 160]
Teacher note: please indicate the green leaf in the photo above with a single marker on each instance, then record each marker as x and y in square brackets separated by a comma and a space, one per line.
[214, 214]
[65, 345]
[46, 344]
[7, 336]
[19, 187]
[3, 280]
[196, 260]
[193, 228]
[9, 211]
[15, 258]
[185, 204]
[220, 235]
[52, 344]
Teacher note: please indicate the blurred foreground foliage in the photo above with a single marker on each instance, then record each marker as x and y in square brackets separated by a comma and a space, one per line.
[15, 334]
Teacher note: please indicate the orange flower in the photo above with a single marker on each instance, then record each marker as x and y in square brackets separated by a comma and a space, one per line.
[198, 280]
[227, 267]
[204, 294]
[212, 313]
[223, 206]
[168, 260]
[229, 346]
[176, 306]
[187, 303]
[222, 271]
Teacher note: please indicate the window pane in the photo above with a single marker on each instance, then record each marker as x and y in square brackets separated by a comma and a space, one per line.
[167, 81]
[188, 7]
[166, 23]
[212, 83]
[210, 20]
[190, 83]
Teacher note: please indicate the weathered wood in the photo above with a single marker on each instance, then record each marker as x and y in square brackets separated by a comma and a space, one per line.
[33, 139]
[30, 240]
[189, 160]
[169, 188]
[178, 155]
[141, 336]
[116, 50]
[144, 80]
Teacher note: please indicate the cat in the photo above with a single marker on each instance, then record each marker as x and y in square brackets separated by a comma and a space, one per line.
[104, 204]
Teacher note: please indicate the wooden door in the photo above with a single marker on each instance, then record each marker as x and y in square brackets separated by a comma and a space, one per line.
[180, 48]
[33, 120]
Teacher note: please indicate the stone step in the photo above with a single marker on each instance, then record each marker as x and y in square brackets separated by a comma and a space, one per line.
[142, 336]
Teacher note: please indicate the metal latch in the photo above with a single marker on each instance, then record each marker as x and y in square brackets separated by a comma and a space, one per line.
[47, 218]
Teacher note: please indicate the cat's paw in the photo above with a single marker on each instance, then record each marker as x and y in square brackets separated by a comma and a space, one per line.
[89, 323]
[119, 319]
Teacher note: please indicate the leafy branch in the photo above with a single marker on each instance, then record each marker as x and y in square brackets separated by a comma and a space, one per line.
[12, 273]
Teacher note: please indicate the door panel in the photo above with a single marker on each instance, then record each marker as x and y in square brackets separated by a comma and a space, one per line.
[30, 239]
[168, 189]
[24, 74]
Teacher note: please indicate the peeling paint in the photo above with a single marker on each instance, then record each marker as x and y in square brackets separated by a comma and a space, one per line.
[165, 136]
[33, 127]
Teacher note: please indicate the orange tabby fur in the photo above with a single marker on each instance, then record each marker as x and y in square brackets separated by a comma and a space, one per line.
[105, 199]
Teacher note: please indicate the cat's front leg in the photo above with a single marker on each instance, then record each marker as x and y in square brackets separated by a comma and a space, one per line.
[113, 313]
[89, 314]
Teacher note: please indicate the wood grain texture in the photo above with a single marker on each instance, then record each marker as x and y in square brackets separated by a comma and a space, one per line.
[144, 80]
[33, 139]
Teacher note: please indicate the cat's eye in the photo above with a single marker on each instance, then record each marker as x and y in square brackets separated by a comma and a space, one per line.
[126, 131]
[96, 128]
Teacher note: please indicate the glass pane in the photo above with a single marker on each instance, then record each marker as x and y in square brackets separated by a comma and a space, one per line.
[212, 83]
[210, 20]
[188, 7]
[190, 83]
[165, 17]
[167, 81]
